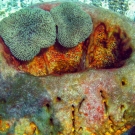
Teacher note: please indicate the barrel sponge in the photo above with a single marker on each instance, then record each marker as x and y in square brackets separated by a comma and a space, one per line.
[74, 25]
[28, 30]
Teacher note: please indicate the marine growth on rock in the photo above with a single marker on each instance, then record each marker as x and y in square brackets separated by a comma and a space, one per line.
[88, 89]
[28, 30]
[74, 25]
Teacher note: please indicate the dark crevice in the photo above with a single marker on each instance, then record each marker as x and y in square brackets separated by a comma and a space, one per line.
[103, 95]
[82, 65]
[51, 121]
[112, 126]
[58, 99]
[56, 29]
[123, 82]
[105, 106]
[80, 104]
[73, 119]
[80, 129]
[122, 107]
[111, 119]
[125, 114]
[48, 106]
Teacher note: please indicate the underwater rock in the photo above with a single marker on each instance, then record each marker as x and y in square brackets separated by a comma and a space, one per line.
[89, 89]
[108, 46]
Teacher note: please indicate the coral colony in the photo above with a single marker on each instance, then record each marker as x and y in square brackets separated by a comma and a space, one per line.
[28, 30]
[66, 69]
[31, 29]
[73, 24]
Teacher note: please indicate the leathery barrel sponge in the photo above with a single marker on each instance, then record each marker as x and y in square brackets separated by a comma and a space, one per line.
[73, 24]
[27, 31]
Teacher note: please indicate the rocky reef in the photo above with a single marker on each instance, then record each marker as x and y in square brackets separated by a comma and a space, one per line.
[85, 90]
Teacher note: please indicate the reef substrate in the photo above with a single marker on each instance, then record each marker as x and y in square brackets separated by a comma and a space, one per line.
[89, 89]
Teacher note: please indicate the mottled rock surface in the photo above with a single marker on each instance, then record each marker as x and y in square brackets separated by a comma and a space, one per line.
[98, 101]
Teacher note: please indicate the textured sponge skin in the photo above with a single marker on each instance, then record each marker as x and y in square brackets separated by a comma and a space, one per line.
[27, 31]
[74, 25]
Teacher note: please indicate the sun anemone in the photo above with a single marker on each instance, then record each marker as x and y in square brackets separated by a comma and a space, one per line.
[28, 30]
[73, 24]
